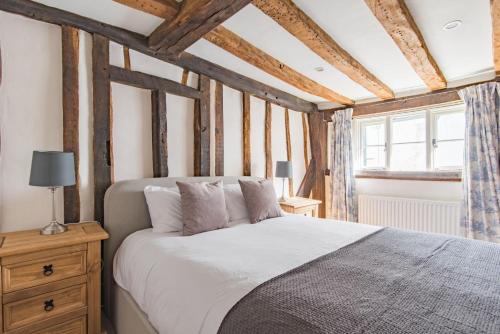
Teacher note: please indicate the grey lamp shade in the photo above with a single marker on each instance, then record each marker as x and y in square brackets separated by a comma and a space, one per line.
[52, 169]
[284, 169]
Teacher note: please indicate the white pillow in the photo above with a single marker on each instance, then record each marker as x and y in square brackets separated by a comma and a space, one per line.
[164, 208]
[235, 203]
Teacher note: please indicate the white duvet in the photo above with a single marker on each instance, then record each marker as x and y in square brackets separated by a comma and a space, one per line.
[187, 284]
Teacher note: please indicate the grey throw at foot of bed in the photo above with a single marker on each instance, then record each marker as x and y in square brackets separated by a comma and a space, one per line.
[392, 281]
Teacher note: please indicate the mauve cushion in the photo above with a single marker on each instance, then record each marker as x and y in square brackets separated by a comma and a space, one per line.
[260, 199]
[203, 207]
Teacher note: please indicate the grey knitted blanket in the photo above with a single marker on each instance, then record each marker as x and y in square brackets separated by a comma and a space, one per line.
[392, 281]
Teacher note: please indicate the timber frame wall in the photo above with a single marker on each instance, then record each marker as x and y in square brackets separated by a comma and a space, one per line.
[104, 73]
[315, 130]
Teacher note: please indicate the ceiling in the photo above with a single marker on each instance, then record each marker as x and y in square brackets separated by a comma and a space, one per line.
[463, 54]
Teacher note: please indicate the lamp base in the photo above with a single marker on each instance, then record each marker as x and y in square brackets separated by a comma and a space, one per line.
[282, 199]
[53, 228]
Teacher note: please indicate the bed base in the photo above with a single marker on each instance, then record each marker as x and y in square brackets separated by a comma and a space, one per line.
[127, 316]
[125, 211]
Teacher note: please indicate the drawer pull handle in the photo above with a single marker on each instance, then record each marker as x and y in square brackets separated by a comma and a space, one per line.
[48, 270]
[48, 305]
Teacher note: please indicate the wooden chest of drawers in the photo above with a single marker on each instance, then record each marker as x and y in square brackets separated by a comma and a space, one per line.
[51, 284]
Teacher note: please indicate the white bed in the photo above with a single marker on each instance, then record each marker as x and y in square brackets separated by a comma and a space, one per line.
[188, 284]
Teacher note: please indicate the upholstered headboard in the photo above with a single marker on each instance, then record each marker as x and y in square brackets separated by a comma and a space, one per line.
[126, 211]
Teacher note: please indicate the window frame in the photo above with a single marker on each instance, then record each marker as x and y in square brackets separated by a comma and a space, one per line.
[362, 151]
[431, 115]
[411, 115]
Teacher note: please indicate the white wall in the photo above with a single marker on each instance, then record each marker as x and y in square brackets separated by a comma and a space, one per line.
[85, 129]
[180, 135]
[233, 130]
[31, 119]
[132, 140]
[441, 191]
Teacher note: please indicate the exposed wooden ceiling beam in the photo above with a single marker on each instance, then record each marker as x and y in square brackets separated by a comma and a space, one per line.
[241, 48]
[192, 22]
[296, 22]
[237, 46]
[138, 42]
[167, 9]
[399, 24]
[495, 17]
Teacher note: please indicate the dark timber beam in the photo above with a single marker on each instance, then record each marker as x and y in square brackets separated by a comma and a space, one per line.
[102, 123]
[449, 95]
[307, 184]
[148, 81]
[192, 22]
[318, 137]
[126, 58]
[288, 150]
[219, 129]
[305, 135]
[159, 132]
[70, 44]
[245, 84]
[247, 156]
[268, 141]
[139, 43]
[202, 129]
[185, 77]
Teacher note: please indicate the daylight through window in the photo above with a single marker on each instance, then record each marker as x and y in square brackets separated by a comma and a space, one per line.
[426, 140]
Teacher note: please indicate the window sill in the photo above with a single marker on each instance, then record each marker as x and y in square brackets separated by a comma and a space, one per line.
[412, 176]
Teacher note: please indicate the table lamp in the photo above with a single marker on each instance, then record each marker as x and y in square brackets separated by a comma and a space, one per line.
[284, 171]
[52, 170]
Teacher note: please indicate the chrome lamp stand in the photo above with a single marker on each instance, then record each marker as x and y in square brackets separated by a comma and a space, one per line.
[283, 197]
[54, 227]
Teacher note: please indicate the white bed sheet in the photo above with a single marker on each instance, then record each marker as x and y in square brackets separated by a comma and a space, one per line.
[188, 284]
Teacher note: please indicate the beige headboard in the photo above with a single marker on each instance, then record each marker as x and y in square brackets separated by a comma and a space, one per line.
[126, 211]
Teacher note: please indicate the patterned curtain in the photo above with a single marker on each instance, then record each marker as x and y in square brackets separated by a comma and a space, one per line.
[481, 173]
[344, 203]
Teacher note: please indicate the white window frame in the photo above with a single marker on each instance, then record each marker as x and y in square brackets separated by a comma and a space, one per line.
[360, 146]
[433, 115]
[431, 134]
[410, 115]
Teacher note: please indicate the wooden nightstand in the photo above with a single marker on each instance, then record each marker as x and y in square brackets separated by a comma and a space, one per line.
[301, 206]
[52, 283]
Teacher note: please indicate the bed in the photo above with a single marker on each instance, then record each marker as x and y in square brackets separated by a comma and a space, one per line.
[291, 274]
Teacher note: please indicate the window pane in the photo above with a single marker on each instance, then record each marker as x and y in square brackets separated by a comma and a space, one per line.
[374, 157]
[408, 129]
[374, 134]
[450, 126]
[449, 154]
[408, 157]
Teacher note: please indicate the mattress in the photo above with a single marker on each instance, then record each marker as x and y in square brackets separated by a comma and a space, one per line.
[188, 284]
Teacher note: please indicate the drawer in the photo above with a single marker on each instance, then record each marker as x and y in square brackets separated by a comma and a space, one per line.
[75, 326]
[28, 274]
[306, 211]
[42, 307]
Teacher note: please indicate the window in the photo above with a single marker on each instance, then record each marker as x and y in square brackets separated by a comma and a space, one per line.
[448, 140]
[426, 140]
[408, 142]
[373, 134]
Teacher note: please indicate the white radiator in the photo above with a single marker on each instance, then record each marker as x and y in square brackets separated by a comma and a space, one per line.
[411, 214]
